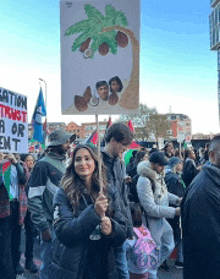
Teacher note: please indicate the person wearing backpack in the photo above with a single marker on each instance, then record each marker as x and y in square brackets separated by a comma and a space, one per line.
[139, 157]
[154, 199]
[142, 252]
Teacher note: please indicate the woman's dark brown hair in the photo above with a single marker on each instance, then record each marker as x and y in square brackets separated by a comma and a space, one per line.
[136, 214]
[74, 187]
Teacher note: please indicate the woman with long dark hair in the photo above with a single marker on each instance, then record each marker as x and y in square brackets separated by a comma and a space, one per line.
[87, 221]
[190, 170]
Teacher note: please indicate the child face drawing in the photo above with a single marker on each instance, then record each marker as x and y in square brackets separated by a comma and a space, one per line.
[103, 92]
[115, 86]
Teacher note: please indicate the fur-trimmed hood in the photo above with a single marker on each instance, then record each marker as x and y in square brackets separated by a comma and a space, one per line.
[144, 169]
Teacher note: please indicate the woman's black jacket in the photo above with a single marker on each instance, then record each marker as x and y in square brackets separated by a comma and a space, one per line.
[74, 255]
[175, 186]
[189, 171]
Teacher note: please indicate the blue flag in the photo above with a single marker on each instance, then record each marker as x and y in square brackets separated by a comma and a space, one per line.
[39, 118]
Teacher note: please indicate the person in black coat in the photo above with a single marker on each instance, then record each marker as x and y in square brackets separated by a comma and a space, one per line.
[139, 157]
[87, 221]
[177, 187]
[201, 222]
[190, 170]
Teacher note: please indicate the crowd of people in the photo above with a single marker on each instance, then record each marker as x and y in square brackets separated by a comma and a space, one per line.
[93, 214]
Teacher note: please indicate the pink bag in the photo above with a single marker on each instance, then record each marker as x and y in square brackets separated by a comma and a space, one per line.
[145, 252]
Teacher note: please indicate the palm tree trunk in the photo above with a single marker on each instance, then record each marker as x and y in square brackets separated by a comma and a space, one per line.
[130, 97]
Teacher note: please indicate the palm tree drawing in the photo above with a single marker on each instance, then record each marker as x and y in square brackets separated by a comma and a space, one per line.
[105, 33]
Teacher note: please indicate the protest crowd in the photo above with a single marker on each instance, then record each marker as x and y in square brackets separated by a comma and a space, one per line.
[97, 218]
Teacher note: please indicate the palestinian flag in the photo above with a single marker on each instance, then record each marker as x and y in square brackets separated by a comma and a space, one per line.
[109, 123]
[5, 171]
[93, 139]
[184, 144]
[134, 144]
[130, 126]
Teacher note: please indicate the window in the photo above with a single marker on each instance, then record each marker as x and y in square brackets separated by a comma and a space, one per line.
[181, 124]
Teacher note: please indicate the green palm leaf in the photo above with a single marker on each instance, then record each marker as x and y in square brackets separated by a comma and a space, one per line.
[109, 38]
[93, 26]
[110, 11]
[121, 19]
[93, 13]
[80, 26]
[79, 40]
[97, 41]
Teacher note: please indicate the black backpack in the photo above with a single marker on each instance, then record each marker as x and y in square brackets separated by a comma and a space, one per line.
[133, 195]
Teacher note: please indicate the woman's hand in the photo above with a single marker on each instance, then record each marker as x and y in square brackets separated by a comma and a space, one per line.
[101, 205]
[46, 235]
[178, 211]
[200, 167]
[128, 179]
[106, 226]
[179, 201]
[12, 159]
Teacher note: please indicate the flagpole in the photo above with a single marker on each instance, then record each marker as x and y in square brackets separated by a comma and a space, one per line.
[45, 137]
[45, 91]
[99, 156]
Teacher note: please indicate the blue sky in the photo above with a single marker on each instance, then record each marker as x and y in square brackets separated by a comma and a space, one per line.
[177, 67]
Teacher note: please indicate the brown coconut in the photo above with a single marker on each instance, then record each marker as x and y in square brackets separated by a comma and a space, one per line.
[122, 39]
[103, 49]
[80, 103]
[85, 45]
[87, 94]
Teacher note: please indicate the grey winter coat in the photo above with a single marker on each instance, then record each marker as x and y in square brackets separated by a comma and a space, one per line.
[155, 203]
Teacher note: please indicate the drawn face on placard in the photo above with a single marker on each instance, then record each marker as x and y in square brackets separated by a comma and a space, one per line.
[102, 89]
[100, 41]
[115, 86]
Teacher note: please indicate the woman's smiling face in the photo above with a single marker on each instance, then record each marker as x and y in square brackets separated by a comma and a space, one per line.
[84, 164]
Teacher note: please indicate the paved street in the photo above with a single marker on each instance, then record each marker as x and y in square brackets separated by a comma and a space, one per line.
[174, 273]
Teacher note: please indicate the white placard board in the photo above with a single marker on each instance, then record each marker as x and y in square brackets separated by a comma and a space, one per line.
[160, 143]
[13, 122]
[181, 137]
[99, 56]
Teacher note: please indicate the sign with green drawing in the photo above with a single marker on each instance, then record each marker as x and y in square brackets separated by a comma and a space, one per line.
[5, 171]
[100, 56]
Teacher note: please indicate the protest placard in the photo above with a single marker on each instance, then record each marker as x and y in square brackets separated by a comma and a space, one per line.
[13, 122]
[100, 56]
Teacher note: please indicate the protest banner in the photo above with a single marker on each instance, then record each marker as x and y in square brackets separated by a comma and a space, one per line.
[13, 122]
[100, 56]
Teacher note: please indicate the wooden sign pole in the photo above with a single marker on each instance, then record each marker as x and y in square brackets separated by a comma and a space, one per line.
[99, 156]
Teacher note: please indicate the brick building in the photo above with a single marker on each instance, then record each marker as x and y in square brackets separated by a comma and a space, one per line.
[180, 124]
[73, 128]
[89, 128]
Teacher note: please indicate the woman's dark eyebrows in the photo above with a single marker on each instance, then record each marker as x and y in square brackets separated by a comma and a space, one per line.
[78, 157]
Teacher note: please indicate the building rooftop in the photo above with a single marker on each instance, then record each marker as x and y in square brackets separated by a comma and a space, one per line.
[213, 3]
